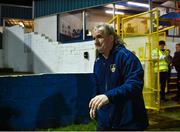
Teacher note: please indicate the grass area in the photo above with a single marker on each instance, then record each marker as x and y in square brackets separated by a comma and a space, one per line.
[80, 127]
[167, 120]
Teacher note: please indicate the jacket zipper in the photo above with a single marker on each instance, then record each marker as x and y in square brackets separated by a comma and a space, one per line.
[106, 79]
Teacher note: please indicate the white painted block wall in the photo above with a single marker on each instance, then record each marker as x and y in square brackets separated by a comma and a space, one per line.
[14, 52]
[1, 58]
[47, 25]
[68, 58]
[1, 52]
[34, 52]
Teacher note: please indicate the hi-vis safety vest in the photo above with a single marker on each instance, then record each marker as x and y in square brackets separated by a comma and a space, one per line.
[163, 64]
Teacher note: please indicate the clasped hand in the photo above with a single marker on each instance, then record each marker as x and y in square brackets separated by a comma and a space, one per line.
[96, 103]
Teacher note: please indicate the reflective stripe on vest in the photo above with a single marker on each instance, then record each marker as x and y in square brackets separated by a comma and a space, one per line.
[163, 65]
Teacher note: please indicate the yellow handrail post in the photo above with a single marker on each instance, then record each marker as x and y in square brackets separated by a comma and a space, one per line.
[118, 25]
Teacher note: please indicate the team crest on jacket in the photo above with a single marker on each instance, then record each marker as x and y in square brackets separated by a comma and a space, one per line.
[113, 67]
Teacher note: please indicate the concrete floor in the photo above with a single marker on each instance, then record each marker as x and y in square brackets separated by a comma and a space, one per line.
[167, 119]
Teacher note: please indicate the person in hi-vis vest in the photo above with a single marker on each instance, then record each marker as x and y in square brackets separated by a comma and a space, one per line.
[163, 66]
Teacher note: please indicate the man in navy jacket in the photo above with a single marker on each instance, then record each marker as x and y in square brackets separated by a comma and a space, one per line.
[118, 104]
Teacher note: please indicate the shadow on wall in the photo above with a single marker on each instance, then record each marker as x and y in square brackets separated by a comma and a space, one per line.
[6, 114]
[51, 112]
[14, 50]
[45, 101]
[39, 55]
[84, 88]
[19, 56]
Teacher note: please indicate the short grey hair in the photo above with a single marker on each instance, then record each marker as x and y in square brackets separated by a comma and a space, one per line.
[108, 30]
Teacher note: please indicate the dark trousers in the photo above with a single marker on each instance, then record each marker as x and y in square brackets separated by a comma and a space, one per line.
[178, 83]
[163, 80]
[169, 75]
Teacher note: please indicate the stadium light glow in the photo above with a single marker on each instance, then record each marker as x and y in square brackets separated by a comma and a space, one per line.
[138, 4]
[116, 12]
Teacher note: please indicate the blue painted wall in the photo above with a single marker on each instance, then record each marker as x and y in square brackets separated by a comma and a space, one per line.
[44, 101]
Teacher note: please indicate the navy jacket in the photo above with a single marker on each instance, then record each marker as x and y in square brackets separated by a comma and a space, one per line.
[120, 78]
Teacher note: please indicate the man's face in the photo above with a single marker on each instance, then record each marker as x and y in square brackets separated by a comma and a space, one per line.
[102, 41]
[177, 48]
[161, 47]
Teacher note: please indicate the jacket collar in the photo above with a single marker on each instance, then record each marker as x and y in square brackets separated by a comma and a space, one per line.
[114, 49]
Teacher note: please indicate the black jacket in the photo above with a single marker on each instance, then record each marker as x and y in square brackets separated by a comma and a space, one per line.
[176, 61]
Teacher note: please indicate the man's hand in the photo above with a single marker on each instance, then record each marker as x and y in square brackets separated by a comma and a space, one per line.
[96, 103]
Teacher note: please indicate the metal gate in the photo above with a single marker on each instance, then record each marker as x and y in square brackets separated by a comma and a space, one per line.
[141, 34]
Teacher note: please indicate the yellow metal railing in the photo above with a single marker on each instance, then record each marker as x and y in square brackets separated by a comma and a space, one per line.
[116, 20]
[145, 38]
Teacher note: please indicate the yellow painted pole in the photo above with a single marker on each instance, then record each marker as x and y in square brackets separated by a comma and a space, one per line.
[118, 25]
[159, 104]
[112, 20]
[140, 14]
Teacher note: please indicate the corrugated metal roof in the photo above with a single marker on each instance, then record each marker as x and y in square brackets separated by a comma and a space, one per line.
[48, 7]
[21, 12]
